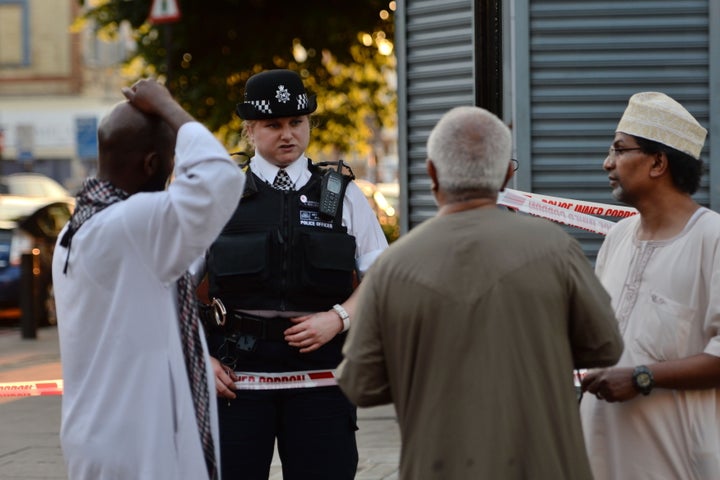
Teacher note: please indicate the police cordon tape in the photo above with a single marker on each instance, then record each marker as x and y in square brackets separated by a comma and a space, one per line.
[576, 213]
[278, 381]
[37, 388]
[246, 381]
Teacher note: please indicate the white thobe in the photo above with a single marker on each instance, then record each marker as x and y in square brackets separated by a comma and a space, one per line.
[666, 295]
[127, 410]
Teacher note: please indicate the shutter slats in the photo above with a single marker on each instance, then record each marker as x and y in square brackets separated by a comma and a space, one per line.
[439, 70]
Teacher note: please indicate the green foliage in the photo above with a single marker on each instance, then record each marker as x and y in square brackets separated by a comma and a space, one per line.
[208, 55]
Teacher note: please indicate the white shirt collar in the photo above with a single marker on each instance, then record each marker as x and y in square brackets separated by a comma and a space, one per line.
[267, 171]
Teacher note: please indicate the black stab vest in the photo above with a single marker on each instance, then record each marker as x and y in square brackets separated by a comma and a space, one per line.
[278, 252]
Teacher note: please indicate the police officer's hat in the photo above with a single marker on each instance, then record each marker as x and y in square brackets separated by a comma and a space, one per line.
[275, 93]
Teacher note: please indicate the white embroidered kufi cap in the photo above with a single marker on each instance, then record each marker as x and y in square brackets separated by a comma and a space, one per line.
[657, 117]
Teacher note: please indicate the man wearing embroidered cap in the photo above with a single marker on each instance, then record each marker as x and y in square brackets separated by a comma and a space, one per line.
[656, 414]
[285, 268]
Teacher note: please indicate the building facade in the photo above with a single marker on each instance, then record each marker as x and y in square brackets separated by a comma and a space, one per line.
[56, 81]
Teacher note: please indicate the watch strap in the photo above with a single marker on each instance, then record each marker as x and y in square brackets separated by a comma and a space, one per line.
[344, 316]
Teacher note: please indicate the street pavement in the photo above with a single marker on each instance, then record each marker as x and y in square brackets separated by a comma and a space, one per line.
[29, 426]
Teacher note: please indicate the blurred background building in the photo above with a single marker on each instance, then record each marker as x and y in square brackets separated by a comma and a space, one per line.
[56, 82]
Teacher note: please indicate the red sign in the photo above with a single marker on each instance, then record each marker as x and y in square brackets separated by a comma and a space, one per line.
[164, 11]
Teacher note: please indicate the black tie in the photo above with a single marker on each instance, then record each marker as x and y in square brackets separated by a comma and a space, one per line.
[282, 181]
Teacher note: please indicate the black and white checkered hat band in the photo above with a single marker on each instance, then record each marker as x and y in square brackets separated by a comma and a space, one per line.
[302, 101]
[261, 106]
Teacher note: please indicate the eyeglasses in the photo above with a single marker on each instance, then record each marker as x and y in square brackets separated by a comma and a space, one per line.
[515, 164]
[616, 152]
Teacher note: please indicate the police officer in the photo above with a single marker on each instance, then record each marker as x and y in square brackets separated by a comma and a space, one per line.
[282, 276]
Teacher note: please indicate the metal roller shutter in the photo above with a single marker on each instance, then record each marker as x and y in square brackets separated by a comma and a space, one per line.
[586, 58]
[435, 73]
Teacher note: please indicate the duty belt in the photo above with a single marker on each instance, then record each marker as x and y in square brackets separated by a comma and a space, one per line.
[217, 319]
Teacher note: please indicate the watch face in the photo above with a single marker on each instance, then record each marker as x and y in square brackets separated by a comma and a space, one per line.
[643, 380]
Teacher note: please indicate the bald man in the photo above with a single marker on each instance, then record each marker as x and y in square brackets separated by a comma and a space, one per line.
[135, 365]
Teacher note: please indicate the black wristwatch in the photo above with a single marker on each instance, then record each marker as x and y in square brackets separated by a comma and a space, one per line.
[643, 380]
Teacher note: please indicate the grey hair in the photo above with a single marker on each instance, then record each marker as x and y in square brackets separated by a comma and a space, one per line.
[470, 148]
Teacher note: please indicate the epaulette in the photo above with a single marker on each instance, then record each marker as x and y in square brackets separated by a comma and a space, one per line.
[339, 165]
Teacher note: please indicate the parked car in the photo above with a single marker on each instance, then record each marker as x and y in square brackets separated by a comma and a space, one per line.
[391, 191]
[30, 224]
[386, 213]
[32, 185]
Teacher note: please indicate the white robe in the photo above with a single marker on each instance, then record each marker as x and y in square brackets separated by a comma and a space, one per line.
[127, 410]
[666, 295]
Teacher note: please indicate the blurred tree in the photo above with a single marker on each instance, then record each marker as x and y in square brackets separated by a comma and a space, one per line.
[341, 48]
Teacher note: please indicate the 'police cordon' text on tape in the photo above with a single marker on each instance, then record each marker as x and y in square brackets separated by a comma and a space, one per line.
[581, 206]
[568, 212]
[284, 380]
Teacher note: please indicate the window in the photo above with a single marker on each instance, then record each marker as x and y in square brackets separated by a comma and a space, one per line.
[14, 33]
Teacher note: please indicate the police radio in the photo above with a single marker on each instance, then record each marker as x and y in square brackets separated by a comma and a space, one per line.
[331, 191]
